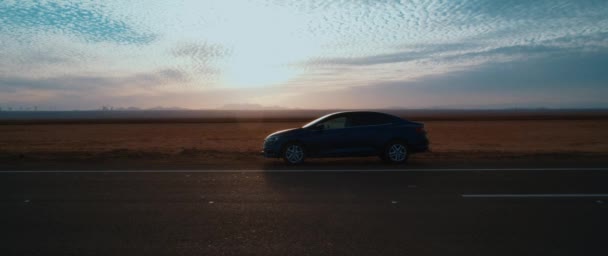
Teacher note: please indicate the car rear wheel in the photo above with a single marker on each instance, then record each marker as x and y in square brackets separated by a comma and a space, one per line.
[396, 152]
[293, 153]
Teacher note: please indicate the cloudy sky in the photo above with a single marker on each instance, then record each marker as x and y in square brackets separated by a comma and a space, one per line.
[304, 54]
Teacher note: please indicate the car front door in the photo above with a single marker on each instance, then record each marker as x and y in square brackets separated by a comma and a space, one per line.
[329, 138]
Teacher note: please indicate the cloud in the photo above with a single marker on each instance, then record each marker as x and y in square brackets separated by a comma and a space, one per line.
[562, 80]
[202, 52]
[411, 53]
[92, 92]
[82, 84]
[372, 60]
[71, 47]
[202, 56]
[433, 29]
[465, 51]
[90, 24]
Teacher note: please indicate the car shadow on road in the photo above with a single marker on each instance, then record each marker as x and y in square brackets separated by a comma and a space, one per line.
[350, 164]
[345, 176]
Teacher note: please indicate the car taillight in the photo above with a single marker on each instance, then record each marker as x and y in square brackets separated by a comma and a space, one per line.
[420, 129]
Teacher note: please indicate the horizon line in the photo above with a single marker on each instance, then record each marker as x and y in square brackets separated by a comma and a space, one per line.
[168, 109]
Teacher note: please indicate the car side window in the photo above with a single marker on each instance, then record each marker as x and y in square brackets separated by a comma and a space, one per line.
[381, 119]
[335, 123]
[370, 119]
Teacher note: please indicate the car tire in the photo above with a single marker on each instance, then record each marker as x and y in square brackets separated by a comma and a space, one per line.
[293, 153]
[396, 152]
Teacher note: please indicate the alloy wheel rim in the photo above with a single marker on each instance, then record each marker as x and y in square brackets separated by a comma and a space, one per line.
[294, 153]
[397, 152]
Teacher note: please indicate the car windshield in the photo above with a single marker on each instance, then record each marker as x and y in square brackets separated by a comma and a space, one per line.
[316, 121]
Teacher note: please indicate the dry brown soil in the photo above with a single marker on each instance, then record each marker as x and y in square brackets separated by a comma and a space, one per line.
[237, 144]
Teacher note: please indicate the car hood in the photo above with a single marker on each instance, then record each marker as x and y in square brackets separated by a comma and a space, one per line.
[286, 132]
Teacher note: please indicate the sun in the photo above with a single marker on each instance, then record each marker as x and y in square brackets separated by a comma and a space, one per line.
[249, 73]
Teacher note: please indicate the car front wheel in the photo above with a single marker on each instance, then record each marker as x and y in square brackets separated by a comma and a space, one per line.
[293, 153]
[396, 152]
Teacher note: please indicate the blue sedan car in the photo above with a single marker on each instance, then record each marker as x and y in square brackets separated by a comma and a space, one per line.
[349, 134]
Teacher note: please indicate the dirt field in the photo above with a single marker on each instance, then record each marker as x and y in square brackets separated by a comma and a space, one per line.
[238, 144]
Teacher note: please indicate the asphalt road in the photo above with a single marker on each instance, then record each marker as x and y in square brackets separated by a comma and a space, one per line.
[431, 212]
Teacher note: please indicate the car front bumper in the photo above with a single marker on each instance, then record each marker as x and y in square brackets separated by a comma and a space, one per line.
[271, 150]
[269, 154]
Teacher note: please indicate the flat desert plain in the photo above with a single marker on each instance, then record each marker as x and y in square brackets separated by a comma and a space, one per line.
[237, 145]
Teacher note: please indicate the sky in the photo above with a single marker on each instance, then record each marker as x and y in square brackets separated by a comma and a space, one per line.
[356, 54]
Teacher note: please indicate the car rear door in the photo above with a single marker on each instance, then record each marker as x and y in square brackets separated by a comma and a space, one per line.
[368, 131]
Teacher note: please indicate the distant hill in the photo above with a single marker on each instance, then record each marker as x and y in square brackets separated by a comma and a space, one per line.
[249, 106]
[282, 115]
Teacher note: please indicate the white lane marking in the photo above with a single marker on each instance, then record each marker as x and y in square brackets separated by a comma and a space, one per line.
[302, 170]
[531, 195]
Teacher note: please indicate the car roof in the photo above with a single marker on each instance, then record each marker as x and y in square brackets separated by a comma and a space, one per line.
[358, 112]
[395, 118]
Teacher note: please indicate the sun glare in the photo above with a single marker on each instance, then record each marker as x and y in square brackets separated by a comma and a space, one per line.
[263, 40]
[245, 73]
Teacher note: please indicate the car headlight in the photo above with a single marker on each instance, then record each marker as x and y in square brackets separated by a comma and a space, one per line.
[272, 139]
